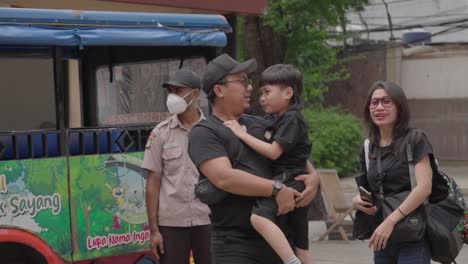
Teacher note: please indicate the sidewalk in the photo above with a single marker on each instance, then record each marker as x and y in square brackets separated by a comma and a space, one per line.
[357, 252]
[354, 252]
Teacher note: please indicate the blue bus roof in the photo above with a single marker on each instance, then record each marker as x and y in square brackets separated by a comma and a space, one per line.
[44, 27]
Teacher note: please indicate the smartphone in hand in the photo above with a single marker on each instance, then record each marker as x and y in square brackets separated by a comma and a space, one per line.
[366, 195]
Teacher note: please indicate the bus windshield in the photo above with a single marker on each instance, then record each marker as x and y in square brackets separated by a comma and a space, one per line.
[133, 94]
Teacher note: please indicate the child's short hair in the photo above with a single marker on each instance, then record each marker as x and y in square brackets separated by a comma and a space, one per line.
[285, 75]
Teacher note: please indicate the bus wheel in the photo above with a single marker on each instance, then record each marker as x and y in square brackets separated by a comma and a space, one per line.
[15, 253]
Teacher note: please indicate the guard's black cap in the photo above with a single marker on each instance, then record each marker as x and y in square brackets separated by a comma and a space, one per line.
[184, 78]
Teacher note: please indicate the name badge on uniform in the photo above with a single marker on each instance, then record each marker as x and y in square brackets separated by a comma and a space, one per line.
[150, 140]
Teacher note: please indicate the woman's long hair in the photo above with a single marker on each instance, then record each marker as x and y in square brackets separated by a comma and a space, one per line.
[401, 127]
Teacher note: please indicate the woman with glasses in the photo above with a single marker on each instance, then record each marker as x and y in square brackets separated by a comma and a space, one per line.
[386, 116]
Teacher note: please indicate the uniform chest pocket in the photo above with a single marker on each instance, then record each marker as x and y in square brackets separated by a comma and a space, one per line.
[173, 152]
[172, 157]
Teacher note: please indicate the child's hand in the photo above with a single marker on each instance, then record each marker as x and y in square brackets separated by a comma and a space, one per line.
[236, 128]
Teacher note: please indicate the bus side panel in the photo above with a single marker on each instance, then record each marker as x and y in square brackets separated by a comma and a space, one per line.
[108, 211]
[34, 197]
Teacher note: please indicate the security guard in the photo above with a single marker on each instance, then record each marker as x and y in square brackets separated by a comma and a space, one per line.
[178, 221]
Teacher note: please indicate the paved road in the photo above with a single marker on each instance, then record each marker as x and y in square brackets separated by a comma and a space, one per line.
[354, 252]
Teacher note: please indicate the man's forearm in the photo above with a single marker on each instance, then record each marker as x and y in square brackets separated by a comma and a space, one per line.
[243, 183]
[220, 172]
[153, 185]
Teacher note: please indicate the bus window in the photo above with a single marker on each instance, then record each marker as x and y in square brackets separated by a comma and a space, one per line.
[27, 94]
[133, 94]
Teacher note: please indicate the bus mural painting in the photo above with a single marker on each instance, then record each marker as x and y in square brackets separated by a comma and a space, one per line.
[112, 240]
[71, 186]
[110, 203]
[35, 203]
[118, 193]
[130, 205]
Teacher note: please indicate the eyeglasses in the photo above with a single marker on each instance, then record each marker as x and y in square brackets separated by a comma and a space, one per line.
[246, 82]
[386, 102]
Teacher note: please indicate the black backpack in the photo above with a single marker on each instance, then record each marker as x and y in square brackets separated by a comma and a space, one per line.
[445, 215]
[446, 221]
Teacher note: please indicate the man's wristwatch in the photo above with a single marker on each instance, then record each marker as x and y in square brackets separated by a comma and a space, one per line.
[277, 185]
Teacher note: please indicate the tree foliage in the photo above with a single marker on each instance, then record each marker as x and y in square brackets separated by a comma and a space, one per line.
[336, 139]
[304, 25]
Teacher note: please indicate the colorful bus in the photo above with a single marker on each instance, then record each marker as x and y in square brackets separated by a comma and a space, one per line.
[80, 92]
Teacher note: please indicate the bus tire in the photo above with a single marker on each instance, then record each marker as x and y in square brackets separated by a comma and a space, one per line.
[16, 253]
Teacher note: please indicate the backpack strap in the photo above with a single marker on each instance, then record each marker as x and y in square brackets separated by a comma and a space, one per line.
[366, 153]
[380, 175]
[409, 157]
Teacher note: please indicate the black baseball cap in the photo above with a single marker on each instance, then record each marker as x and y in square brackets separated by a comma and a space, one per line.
[184, 78]
[224, 65]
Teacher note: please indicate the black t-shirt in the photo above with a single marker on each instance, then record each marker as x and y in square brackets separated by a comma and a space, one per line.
[211, 139]
[395, 169]
[290, 130]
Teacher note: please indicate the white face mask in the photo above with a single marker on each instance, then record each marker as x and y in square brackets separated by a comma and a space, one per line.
[176, 104]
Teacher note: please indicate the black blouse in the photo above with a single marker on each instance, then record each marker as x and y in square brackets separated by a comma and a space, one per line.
[395, 169]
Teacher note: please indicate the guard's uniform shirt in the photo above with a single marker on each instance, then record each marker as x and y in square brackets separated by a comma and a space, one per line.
[166, 154]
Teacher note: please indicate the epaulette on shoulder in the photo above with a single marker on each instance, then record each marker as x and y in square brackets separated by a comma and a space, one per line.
[163, 123]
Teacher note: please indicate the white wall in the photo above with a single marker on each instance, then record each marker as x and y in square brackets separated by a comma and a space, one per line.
[435, 78]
